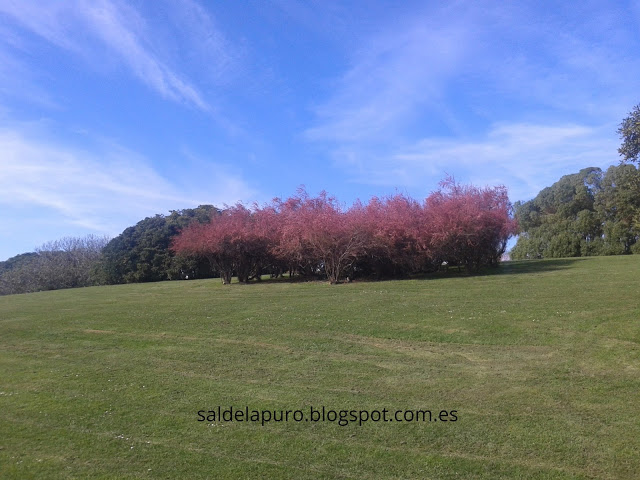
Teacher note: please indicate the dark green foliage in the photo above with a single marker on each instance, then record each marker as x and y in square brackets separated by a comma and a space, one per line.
[587, 213]
[16, 262]
[16, 273]
[618, 205]
[629, 132]
[141, 253]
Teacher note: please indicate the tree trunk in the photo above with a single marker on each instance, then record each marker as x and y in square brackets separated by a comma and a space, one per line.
[225, 276]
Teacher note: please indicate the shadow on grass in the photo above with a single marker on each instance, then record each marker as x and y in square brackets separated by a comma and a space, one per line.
[530, 266]
[513, 267]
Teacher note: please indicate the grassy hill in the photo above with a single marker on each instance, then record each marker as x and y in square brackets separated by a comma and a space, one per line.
[539, 360]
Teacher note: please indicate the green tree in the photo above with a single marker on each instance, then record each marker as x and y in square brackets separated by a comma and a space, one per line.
[561, 220]
[587, 213]
[629, 132]
[141, 253]
[618, 204]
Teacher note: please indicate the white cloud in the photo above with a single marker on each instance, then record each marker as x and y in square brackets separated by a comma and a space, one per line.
[492, 93]
[447, 63]
[523, 157]
[122, 29]
[391, 78]
[92, 29]
[102, 191]
[197, 39]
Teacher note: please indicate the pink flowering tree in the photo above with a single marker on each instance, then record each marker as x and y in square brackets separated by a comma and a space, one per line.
[400, 236]
[319, 235]
[469, 225]
[234, 242]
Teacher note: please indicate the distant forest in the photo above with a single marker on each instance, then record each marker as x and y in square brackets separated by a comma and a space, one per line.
[139, 254]
[586, 213]
[302, 236]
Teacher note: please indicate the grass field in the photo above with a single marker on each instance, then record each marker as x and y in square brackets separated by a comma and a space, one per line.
[540, 361]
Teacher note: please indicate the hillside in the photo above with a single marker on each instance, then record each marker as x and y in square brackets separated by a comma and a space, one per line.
[537, 361]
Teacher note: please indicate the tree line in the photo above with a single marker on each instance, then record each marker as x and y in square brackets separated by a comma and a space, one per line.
[66, 263]
[311, 237]
[390, 237]
[587, 213]
[140, 253]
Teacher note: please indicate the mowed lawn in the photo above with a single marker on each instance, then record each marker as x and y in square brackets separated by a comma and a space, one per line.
[540, 360]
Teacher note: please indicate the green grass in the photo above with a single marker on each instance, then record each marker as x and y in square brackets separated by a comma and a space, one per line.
[541, 361]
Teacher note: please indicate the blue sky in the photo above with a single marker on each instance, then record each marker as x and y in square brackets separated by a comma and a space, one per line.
[111, 111]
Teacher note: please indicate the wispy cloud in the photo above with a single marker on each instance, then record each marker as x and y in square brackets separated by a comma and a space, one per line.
[103, 191]
[197, 39]
[17, 79]
[92, 29]
[392, 78]
[529, 157]
[122, 29]
[565, 62]
[496, 93]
